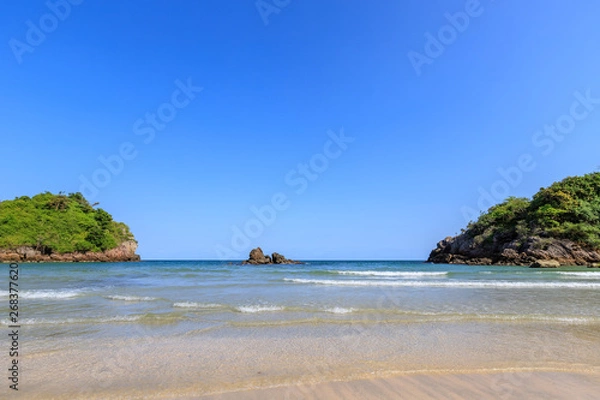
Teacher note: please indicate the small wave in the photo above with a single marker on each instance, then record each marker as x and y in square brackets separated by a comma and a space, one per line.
[50, 294]
[43, 321]
[189, 304]
[557, 319]
[339, 310]
[581, 274]
[406, 274]
[130, 298]
[450, 284]
[528, 272]
[121, 318]
[255, 309]
[417, 317]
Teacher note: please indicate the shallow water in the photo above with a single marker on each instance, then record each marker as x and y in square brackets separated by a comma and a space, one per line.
[211, 326]
[175, 296]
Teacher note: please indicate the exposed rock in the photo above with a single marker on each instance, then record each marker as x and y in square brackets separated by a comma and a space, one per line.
[124, 252]
[464, 249]
[258, 257]
[279, 259]
[545, 264]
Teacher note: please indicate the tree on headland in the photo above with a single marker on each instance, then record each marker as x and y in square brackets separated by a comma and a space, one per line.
[58, 224]
[569, 209]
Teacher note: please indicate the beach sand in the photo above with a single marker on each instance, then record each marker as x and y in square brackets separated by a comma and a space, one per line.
[380, 361]
[481, 386]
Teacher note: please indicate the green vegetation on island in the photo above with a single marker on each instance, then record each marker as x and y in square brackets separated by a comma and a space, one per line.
[50, 223]
[561, 222]
[569, 209]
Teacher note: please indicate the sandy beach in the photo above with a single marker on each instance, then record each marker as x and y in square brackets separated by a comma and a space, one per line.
[418, 385]
[414, 361]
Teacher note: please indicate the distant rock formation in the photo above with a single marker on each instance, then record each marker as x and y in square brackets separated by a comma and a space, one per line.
[535, 252]
[257, 257]
[124, 252]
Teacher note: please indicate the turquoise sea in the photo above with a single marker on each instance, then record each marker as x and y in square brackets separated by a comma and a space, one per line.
[167, 297]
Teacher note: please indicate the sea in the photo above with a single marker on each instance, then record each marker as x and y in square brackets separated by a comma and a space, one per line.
[183, 328]
[167, 297]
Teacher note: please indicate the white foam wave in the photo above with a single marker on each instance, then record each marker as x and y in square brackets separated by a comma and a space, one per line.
[189, 304]
[406, 274]
[560, 319]
[450, 284]
[256, 308]
[339, 310]
[130, 298]
[121, 318]
[44, 321]
[50, 294]
[581, 274]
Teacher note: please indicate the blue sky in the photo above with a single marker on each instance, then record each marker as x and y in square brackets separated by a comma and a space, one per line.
[81, 81]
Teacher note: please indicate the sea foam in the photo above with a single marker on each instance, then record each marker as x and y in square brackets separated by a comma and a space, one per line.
[582, 274]
[405, 274]
[130, 298]
[449, 284]
[50, 294]
[45, 321]
[258, 308]
[339, 310]
[190, 304]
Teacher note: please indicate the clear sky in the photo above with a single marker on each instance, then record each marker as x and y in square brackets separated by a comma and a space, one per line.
[357, 130]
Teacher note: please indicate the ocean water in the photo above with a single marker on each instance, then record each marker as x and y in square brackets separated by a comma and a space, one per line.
[128, 330]
[100, 300]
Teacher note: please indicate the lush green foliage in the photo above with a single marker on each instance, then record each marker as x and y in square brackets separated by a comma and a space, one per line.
[569, 209]
[58, 223]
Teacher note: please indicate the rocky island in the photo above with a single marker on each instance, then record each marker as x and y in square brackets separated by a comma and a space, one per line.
[258, 257]
[62, 228]
[559, 226]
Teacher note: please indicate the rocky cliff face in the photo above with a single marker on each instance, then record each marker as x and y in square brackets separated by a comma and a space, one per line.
[464, 249]
[124, 252]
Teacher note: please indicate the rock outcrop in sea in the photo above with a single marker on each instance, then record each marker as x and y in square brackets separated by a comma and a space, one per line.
[535, 252]
[257, 257]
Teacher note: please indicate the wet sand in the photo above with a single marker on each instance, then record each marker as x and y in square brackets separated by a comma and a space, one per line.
[482, 386]
[379, 361]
